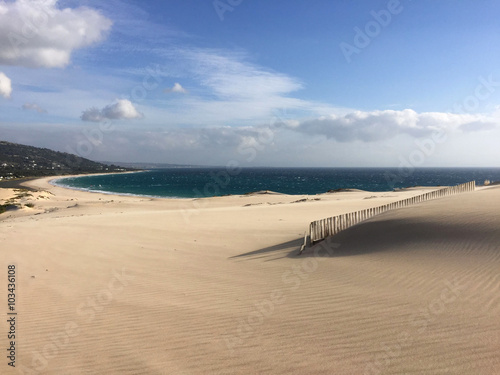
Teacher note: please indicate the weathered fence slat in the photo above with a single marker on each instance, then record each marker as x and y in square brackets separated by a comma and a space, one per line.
[321, 229]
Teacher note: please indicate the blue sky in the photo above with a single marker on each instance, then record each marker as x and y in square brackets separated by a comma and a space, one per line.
[275, 83]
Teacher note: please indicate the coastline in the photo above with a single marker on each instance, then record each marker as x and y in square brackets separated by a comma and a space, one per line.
[53, 182]
[220, 187]
[22, 183]
[16, 183]
[45, 182]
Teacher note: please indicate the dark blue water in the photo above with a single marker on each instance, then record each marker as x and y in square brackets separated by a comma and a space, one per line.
[203, 182]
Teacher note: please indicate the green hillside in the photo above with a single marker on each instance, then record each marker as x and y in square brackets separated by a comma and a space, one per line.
[18, 161]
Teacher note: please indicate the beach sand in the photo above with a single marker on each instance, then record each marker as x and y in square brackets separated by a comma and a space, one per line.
[111, 284]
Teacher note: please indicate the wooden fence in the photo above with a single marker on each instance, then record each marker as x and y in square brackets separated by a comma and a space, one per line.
[321, 229]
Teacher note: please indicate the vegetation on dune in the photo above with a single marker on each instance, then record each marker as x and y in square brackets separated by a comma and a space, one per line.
[8, 207]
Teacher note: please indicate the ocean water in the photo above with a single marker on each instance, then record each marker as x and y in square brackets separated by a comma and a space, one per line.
[206, 182]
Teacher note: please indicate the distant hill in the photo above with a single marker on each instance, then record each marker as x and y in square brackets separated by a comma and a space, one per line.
[17, 161]
[154, 165]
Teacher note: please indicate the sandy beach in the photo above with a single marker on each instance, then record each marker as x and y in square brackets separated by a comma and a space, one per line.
[110, 284]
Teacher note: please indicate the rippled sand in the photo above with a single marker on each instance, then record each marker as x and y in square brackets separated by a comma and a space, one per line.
[127, 285]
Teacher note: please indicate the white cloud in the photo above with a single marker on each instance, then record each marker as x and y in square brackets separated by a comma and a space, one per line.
[123, 109]
[381, 125]
[33, 107]
[35, 33]
[478, 126]
[5, 84]
[250, 146]
[225, 89]
[177, 89]
[230, 76]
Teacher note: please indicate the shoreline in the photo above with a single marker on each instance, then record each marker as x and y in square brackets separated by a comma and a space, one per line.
[53, 181]
[47, 183]
[56, 178]
[19, 183]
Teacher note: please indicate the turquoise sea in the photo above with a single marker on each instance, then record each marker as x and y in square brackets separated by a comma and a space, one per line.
[205, 182]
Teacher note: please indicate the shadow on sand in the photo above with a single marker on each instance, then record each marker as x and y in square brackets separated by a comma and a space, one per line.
[387, 235]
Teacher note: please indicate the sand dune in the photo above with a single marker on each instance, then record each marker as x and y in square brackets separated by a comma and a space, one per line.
[129, 285]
